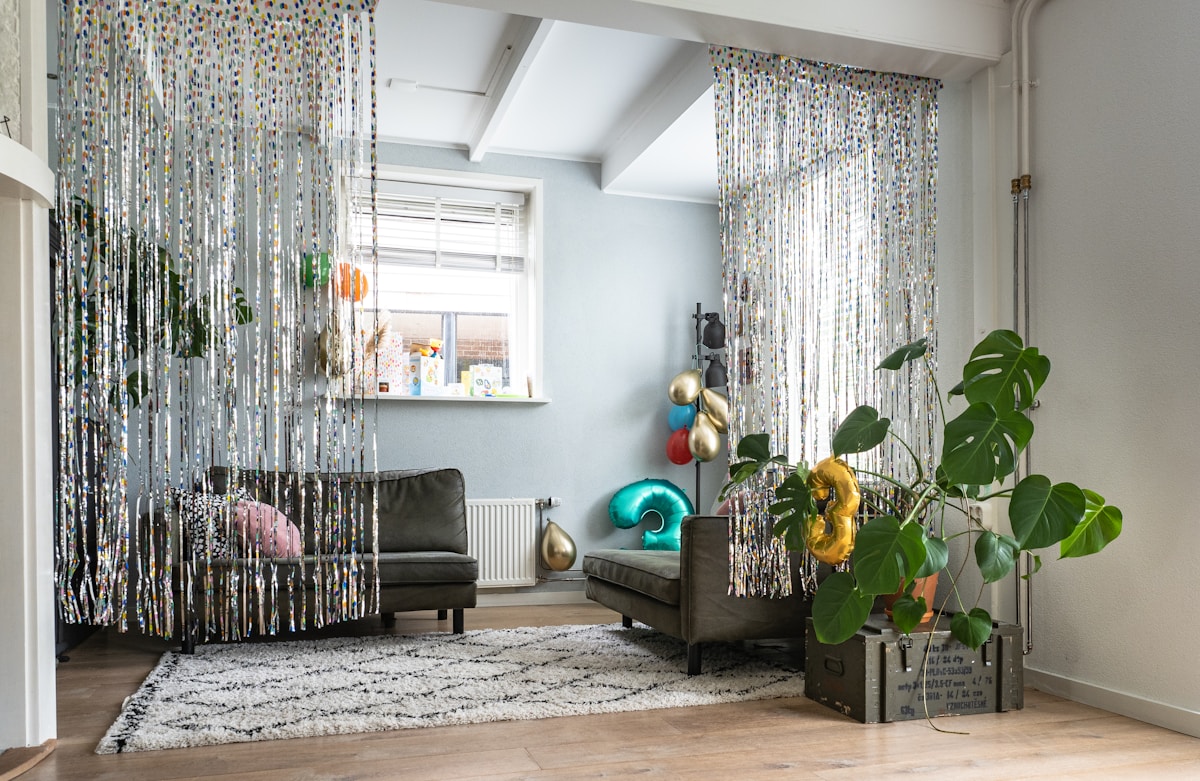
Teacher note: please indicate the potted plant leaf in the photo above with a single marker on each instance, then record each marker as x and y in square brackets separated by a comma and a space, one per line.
[912, 520]
[178, 322]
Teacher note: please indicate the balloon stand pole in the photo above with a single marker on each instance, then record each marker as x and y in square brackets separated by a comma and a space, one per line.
[699, 317]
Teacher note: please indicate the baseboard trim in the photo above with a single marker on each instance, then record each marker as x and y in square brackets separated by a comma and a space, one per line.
[15, 761]
[1158, 713]
[531, 598]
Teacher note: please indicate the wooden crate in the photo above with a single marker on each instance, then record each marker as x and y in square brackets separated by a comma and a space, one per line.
[877, 674]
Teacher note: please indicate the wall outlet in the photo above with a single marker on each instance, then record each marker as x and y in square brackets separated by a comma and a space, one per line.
[983, 514]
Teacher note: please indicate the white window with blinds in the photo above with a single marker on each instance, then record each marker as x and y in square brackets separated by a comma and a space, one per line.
[458, 262]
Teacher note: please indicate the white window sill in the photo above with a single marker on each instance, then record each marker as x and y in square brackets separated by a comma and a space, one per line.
[471, 399]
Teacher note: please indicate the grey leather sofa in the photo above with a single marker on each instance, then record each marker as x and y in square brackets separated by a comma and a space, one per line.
[685, 594]
[422, 562]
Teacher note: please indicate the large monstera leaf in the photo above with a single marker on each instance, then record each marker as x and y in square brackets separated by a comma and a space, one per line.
[1101, 525]
[862, 430]
[839, 608]
[972, 628]
[793, 506]
[1043, 514]
[1003, 372]
[887, 554]
[902, 355]
[996, 555]
[981, 445]
[755, 452]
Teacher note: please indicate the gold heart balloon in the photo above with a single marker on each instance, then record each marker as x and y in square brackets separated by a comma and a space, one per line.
[703, 440]
[717, 407]
[558, 549]
[685, 387]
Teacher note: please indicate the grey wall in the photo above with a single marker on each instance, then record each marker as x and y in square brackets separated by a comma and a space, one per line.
[621, 280]
[1114, 236]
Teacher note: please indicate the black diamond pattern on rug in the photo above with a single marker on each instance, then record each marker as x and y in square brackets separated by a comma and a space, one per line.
[267, 691]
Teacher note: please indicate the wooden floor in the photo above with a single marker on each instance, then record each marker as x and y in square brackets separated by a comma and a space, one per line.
[792, 738]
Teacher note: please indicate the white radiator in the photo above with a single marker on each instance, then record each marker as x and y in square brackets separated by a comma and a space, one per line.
[503, 535]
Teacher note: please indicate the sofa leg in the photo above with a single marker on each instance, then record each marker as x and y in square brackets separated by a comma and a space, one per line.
[388, 619]
[694, 658]
[441, 615]
[188, 642]
[627, 622]
[458, 620]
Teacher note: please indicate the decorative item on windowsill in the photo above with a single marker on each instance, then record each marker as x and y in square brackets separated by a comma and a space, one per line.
[425, 373]
[908, 535]
[362, 338]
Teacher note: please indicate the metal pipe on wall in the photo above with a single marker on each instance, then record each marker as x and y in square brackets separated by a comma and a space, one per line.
[1022, 13]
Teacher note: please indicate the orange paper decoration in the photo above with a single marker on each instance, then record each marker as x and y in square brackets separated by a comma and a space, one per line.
[351, 283]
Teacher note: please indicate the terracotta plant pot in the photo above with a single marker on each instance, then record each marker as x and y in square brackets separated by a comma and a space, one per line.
[922, 587]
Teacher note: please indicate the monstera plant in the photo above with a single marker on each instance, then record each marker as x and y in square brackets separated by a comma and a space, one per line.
[912, 520]
[179, 322]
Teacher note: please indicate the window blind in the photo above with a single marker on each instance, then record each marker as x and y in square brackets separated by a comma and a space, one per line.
[437, 226]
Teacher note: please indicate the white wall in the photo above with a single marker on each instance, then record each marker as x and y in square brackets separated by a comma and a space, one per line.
[27, 700]
[1114, 233]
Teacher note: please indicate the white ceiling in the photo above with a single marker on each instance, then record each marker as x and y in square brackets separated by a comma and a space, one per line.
[627, 83]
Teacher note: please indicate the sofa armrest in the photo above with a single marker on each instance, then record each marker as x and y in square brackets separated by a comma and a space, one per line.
[708, 611]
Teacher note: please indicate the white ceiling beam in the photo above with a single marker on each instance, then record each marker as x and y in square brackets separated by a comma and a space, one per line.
[948, 39]
[514, 65]
[687, 79]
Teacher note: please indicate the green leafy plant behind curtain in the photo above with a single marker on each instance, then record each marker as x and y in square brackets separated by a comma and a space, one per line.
[827, 179]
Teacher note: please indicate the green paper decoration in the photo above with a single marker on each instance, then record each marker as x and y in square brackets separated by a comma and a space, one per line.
[317, 269]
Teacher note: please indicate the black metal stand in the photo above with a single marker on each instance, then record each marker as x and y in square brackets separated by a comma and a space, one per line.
[699, 316]
[709, 378]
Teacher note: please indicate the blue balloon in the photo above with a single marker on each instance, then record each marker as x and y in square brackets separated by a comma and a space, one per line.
[634, 502]
[681, 416]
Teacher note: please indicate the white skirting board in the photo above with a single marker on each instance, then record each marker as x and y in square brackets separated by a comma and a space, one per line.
[1158, 713]
[493, 599]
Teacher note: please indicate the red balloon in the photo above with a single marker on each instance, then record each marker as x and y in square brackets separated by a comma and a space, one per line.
[677, 447]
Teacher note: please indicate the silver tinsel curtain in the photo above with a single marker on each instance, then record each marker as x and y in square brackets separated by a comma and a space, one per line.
[828, 176]
[201, 148]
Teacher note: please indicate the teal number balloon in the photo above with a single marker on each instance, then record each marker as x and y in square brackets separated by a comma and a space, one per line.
[634, 502]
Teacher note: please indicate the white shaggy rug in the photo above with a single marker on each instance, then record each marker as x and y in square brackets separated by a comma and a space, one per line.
[267, 691]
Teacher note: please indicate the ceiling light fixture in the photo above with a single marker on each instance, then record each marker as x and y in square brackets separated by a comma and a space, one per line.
[408, 85]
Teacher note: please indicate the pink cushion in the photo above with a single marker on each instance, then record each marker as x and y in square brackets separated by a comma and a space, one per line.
[267, 529]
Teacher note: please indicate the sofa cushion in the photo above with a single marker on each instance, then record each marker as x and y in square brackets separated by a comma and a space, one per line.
[426, 567]
[654, 573]
[422, 511]
[204, 518]
[419, 509]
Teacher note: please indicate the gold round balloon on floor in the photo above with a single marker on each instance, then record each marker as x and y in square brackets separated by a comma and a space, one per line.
[558, 549]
